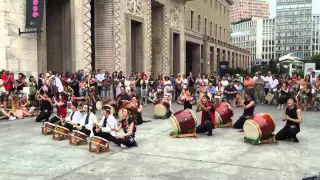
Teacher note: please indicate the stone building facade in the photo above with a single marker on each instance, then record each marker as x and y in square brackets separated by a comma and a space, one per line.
[113, 35]
[207, 33]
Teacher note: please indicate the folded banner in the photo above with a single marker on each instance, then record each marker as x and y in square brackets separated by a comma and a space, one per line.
[34, 13]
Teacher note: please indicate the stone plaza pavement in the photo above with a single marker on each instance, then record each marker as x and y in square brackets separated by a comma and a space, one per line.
[28, 155]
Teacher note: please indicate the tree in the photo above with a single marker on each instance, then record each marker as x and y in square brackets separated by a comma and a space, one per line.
[315, 58]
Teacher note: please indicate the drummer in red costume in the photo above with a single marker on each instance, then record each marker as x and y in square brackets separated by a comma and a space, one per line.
[208, 120]
[248, 109]
[293, 117]
[61, 104]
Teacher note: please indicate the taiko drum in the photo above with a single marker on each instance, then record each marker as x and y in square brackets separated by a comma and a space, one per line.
[128, 105]
[223, 113]
[183, 121]
[161, 107]
[259, 126]
[113, 106]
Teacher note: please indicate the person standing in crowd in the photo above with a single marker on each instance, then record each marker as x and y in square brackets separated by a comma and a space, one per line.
[259, 88]
[144, 90]
[187, 99]
[137, 89]
[284, 95]
[173, 85]
[230, 93]
[191, 82]
[292, 116]
[99, 77]
[248, 84]
[267, 80]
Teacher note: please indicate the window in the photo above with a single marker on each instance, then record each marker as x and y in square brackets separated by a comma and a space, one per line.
[211, 28]
[216, 4]
[224, 34]
[191, 20]
[224, 10]
[220, 33]
[205, 26]
[199, 22]
[216, 31]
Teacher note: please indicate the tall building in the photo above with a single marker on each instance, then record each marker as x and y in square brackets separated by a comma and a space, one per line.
[245, 9]
[207, 33]
[315, 35]
[294, 22]
[256, 35]
[115, 35]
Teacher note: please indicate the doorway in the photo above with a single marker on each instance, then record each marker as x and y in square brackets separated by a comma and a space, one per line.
[176, 53]
[136, 47]
[58, 29]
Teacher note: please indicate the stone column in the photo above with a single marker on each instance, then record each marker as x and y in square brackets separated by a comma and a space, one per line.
[42, 44]
[196, 59]
[3, 60]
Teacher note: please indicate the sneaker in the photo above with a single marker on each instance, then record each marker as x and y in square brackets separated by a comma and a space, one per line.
[295, 139]
[12, 118]
[210, 134]
[123, 146]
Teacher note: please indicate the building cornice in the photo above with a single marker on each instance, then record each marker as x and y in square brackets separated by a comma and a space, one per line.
[230, 2]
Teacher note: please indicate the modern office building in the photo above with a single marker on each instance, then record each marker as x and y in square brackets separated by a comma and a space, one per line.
[315, 35]
[245, 9]
[293, 29]
[116, 35]
[256, 35]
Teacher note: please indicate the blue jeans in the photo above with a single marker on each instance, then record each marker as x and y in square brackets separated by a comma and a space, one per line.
[105, 93]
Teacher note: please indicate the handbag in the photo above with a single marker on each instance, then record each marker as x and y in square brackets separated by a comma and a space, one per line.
[269, 97]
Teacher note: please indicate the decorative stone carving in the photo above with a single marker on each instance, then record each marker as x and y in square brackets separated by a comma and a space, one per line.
[165, 41]
[175, 16]
[117, 35]
[135, 7]
[149, 24]
[87, 35]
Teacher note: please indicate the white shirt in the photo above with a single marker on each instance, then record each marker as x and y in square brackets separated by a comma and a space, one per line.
[100, 77]
[111, 123]
[59, 85]
[76, 118]
[92, 119]
[224, 83]
[273, 85]
[269, 80]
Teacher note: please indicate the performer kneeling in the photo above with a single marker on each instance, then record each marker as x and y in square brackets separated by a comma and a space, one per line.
[293, 117]
[45, 107]
[128, 125]
[208, 120]
[106, 125]
[72, 121]
[248, 109]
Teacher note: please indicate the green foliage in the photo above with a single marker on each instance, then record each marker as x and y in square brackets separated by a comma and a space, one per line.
[315, 58]
[237, 71]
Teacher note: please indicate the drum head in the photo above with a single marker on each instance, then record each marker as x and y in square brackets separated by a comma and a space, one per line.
[175, 125]
[252, 130]
[99, 105]
[111, 107]
[160, 110]
[194, 116]
[218, 119]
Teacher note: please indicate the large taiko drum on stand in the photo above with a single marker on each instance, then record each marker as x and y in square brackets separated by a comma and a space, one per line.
[113, 106]
[128, 105]
[161, 107]
[259, 126]
[223, 113]
[183, 121]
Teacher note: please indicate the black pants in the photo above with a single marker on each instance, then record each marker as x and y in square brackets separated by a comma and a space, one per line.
[266, 91]
[240, 122]
[206, 126]
[43, 116]
[287, 133]
[66, 124]
[127, 141]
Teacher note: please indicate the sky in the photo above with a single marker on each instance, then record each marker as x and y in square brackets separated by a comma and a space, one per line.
[273, 8]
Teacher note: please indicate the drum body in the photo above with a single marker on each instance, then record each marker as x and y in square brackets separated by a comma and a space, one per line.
[49, 126]
[183, 121]
[223, 113]
[80, 135]
[161, 107]
[99, 141]
[259, 126]
[61, 130]
[112, 105]
[128, 105]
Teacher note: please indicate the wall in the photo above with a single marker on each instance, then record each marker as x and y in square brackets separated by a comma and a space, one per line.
[17, 53]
